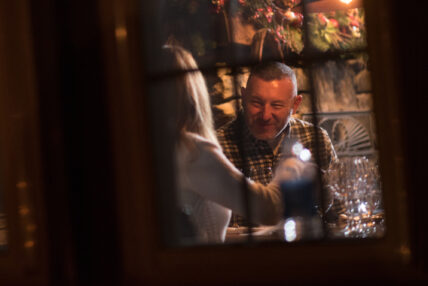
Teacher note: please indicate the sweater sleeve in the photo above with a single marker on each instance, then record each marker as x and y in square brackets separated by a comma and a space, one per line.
[213, 176]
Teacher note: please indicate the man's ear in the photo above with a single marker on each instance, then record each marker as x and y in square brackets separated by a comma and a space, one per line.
[297, 100]
[243, 95]
[243, 91]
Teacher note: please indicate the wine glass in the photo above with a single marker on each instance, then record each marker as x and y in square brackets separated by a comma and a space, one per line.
[355, 184]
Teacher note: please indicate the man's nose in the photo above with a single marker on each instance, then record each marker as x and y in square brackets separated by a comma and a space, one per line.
[266, 113]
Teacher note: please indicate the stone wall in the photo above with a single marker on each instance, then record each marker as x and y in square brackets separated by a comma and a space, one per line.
[340, 86]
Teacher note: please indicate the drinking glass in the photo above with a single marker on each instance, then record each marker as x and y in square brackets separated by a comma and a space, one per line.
[355, 184]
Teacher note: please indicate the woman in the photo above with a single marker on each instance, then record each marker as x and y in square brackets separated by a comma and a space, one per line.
[209, 186]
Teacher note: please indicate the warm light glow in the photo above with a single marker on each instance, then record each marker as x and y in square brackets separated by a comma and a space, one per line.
[290, 230]
[346, 1]
[21, 185]
[362, 208]
[297, 148]
[24, 210]
[301, 152]
[31, 227]
[305, 155]
[29, 244]
[121, 33]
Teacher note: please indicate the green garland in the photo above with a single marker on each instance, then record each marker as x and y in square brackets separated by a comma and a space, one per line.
[337, 30]
[327, 31]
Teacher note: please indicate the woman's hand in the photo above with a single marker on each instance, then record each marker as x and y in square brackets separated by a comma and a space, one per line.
[293, 168]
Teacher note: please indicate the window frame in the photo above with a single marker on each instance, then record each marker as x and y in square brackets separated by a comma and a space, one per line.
[25, 259]
[145, 259]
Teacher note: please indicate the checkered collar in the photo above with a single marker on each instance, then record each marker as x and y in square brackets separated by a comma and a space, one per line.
[249, 139]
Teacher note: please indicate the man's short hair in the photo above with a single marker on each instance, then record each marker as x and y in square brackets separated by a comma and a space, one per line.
[269, 71]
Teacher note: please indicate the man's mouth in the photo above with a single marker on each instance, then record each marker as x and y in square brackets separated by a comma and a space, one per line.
[264, 124]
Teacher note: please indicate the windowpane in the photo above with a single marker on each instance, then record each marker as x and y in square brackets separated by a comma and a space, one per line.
[337, 30]
[353, 195]
[225, 99]
[223, 144]
[198, 26]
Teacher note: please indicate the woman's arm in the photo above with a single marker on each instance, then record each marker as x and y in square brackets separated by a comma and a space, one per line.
[213, 176]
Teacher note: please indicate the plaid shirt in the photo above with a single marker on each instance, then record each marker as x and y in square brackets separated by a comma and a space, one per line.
[259, 157]
[261, 161]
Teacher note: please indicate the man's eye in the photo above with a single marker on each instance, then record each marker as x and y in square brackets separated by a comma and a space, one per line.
[278, 106]
[256, 103]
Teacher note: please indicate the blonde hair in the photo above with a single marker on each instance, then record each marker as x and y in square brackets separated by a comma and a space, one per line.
[193, 108]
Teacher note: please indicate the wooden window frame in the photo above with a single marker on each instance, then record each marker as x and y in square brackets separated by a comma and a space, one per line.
[146, 260]
[25, 260]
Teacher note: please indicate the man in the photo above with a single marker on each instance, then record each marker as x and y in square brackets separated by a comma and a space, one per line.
[257, 135]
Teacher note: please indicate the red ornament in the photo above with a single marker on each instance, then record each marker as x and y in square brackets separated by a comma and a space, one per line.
[298, 21]
[334, 23]
[355, 23]
[323, 19]
[289, 15]
[269, 14]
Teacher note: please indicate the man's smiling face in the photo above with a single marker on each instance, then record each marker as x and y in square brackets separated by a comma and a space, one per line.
[268, 106]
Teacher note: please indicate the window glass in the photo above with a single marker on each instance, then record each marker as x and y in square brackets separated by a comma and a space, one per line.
[271, 158]
[198, 26]
[337, 30]
[344, 109]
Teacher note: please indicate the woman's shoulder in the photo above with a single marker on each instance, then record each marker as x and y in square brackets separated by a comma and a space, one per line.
[200, 142]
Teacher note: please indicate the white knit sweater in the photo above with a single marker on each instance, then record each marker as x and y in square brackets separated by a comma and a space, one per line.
[210, 187]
